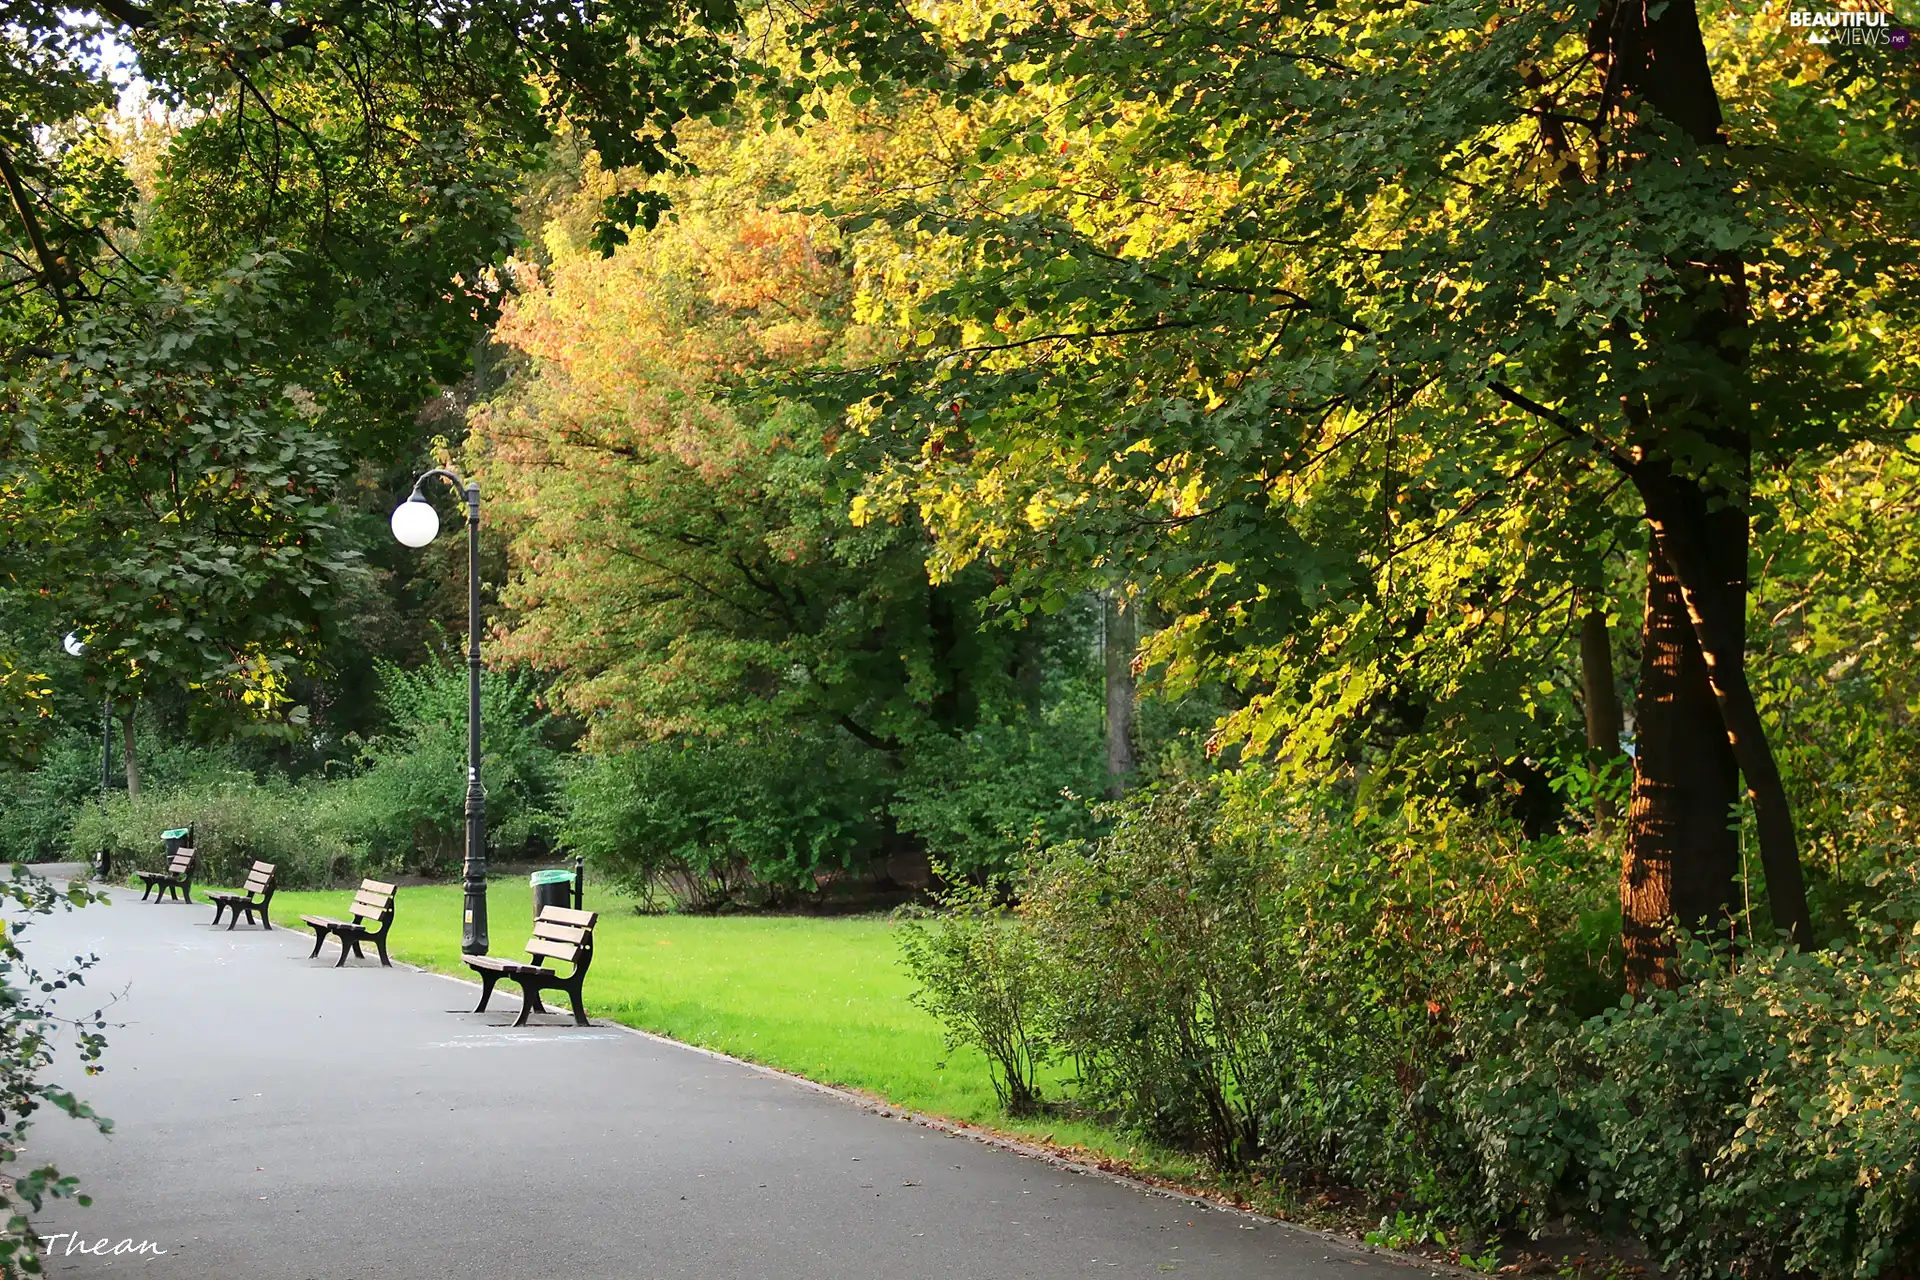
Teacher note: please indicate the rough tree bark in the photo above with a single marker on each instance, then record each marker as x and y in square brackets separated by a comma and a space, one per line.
[1682, 858]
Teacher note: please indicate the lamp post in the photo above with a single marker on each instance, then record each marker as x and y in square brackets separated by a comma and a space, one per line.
[77, 648]
[415, 524]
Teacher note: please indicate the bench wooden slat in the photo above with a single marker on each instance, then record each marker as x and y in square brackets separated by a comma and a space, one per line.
[563, 951]
[255, 895]
[559, 932]
[372, 912]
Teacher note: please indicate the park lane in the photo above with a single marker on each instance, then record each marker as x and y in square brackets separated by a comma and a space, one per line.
[278, 1118]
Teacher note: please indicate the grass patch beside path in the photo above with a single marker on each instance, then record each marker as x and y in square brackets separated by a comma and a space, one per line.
[824, 998]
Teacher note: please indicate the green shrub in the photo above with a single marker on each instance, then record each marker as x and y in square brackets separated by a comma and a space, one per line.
[237, 821]
[409, 799]
[983, 977]
[718, 822]
[38, 806]
[1161, 973]
[1430, 1008]
[1761, 1119]
[978, 800]
[1275, 987]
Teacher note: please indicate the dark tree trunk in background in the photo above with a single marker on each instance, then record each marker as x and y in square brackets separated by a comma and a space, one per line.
[1604, 721]
[131, 761]
[1120, 641]
[1029, 669]
[1601, 698]
[954, 706]
[1697, 730]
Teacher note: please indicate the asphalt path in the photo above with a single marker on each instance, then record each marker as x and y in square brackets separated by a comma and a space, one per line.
[275, 1117]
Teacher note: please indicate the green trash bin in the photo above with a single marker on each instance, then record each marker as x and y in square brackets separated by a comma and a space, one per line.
[551, 889]
[176, 838]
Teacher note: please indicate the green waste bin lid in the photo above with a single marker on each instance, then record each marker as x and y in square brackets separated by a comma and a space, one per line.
[550, 877]
[176, 834]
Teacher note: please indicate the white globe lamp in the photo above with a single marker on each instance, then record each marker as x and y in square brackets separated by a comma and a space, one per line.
[415, 522]
[74, 645]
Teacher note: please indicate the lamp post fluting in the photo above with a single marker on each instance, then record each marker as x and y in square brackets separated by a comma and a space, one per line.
[415, 524]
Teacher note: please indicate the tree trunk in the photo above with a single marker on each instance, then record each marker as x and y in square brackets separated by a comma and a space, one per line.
[1119, 646]
[132, 762]
[1604, 721]
[1602, 699]
[1719, 628]
[1682, 859]
[1697, 729]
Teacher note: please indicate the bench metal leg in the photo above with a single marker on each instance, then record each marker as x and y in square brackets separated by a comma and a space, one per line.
[579, 1009]
[346, 943]
[219, 907]
[146, 887]
[264, 922]
[319, 936]
[528, 1000]
[381, 942]
[487, 979]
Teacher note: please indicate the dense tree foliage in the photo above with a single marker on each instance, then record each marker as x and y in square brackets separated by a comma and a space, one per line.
[1369, 341]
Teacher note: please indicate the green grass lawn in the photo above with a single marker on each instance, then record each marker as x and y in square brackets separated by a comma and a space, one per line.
[822, 998]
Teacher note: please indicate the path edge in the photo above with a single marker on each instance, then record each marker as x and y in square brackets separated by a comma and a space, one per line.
[1031, 1151]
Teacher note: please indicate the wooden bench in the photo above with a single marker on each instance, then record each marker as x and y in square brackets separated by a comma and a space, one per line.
[253, 896]
[560, 933]
[372, 919]
[176, 879]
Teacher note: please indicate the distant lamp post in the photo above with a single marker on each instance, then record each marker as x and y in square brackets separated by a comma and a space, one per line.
[77, 648]
[415, 524]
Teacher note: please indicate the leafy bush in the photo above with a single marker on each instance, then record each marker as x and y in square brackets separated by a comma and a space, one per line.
[978, 800]
[1161, 974]
[236, 822]
[38, 806]
[983, 977]
[1762, 1119]
[408, 804]
[1430, 1008]
[1270, 986]
[717, 820]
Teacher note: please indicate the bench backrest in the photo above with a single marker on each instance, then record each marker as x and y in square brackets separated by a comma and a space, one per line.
[563, 934]
[374, 901]
[180, 863]
[259, 880]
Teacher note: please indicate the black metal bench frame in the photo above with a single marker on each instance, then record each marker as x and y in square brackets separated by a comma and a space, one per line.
[559, 933]
[175, 880]
[372, 902]
[254, 896]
